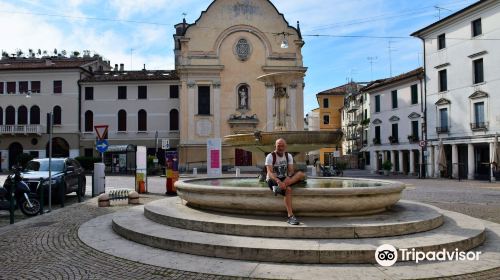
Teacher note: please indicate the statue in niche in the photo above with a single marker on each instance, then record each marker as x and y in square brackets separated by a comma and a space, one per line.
[243, 97]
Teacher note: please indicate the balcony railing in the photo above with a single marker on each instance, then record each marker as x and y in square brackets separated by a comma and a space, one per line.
[21, 129]
[442, 129]
[479, 126]
[353, 108]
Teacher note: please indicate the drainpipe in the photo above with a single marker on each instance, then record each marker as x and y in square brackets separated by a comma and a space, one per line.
[423, 106]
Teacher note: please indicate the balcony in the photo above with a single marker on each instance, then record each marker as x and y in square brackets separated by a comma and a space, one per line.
[442, 129]
[353, 108]
[479, 126]
[21, 129]
[353, 123]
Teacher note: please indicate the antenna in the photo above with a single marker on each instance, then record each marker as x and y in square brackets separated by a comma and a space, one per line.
[390, 48]
[439, 9]
[371, 60]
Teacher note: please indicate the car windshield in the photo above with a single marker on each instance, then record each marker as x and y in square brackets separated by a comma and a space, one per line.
[43, 165]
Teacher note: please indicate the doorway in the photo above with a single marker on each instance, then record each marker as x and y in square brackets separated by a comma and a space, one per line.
[243, 158]
[15, 149]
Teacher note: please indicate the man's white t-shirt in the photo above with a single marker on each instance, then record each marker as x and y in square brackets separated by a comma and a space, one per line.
[280, 167]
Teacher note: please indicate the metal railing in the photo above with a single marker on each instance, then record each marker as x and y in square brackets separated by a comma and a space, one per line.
[21, 129]
[479, 126]
[442, 129]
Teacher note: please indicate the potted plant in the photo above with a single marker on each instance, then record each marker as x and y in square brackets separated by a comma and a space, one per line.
[376, 141]
[387, 166]
[393, 140]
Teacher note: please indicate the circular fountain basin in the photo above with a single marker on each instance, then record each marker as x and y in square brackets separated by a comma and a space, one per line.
[316, 197]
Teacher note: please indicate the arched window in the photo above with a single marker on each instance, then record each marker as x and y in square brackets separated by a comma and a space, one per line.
[89, 121]
[22, 115]
[142, 120]
[1, 116]
[10, 116]
[35, 115]
[174, 120]
[57, 115]
[122, 120]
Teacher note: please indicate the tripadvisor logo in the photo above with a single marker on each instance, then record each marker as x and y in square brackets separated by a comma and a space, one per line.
[387, 255]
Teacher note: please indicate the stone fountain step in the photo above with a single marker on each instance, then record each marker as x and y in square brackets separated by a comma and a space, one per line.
[458, 232]
[404, 218]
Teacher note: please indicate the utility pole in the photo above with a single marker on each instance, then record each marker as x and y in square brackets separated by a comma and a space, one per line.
[390, 56]
[439, 9]
[371, 60]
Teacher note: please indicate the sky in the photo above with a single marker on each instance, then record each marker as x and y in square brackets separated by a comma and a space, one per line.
[137, 32]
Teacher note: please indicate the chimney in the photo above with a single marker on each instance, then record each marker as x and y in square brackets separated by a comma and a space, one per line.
[116, 67]
[122, 67]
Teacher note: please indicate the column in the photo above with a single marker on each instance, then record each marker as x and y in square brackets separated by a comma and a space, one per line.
[393, 161]
[217, 105]
[271, 107]
[437, 171]
[192, 102]
[493, 179]
[412, 163]
[430, 161]
[401, 166]
[454, 160]
[373, 161]
[470, 162]
[421, 165]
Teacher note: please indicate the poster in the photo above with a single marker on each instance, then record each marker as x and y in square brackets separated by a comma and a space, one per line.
[214, 157]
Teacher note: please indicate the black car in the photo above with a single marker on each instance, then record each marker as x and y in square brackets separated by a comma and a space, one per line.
[67, 173]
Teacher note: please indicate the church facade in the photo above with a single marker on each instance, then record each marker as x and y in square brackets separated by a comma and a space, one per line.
[218, 59]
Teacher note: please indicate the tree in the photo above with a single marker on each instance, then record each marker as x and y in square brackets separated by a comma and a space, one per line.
[19, 53]
[63, 52]
[55, 51]
[75, 53]
[5, 54]
[39, 52]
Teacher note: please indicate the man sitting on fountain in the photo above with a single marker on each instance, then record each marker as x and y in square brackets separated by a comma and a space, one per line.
[280, 176]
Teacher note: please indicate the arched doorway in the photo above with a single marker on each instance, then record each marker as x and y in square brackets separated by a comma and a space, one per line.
[15, 149]
[60, 148]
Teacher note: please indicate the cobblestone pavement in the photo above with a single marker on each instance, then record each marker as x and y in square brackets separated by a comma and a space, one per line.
[48, 247]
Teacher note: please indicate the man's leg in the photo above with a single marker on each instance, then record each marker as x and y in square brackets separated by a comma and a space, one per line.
[297, 177]
[288, 201]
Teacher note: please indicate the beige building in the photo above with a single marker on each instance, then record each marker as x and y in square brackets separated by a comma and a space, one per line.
[219, 58]
[29, 89]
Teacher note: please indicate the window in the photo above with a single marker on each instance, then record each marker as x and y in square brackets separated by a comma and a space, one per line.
[142, 92]
[23, 87]
[326, 119]
[443, 117]
[174, 91]
[1, 87]
[35, 86]
[142, 120]
[122, 120]
[477, 28]
[89, 93]
[395, 132]
[22, 115]
[10, 116]
[443, 81]
[1, 116]
[441, 41]
[203, 100]
[414, 94]
[367, 158]
[478, 71]
[88, 152]
[377, 134]
[377, 103]
[57, 86]
[479, 114]
[89, 121]
[414, 130]
[34, 154]
[325, 103]
[174, 120]
[57, 115]
[366, 114]
[11, 87]
[394, 96]
[35, 115]
[122, 92]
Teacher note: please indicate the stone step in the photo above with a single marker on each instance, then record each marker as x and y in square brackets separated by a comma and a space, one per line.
[458, 232]
[404, 218]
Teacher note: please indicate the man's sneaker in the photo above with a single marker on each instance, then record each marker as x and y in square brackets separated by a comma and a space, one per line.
[276, 190]
[293, 221]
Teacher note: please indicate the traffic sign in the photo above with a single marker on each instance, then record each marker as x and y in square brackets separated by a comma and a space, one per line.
[102, 145]
[165, 144]
[101, 131]
[422, 143]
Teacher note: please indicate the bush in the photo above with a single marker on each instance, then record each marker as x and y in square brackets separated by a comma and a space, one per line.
[23, 159]
[88, 162]
[387, 165]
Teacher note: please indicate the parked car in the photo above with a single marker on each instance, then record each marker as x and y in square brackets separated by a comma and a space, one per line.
[66, 173]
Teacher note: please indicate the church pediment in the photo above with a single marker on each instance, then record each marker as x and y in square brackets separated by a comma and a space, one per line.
[414, 116]
[394, 119]
[479, 94]
[376, 121]
[443, 101]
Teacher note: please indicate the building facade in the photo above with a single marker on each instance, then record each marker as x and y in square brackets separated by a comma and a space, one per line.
[396, 117]
[312, 121]
[29, 89]
[461, 73]
[219, 58]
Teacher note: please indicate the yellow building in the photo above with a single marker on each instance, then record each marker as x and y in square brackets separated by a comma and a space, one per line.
[330, 118]
[219, 58]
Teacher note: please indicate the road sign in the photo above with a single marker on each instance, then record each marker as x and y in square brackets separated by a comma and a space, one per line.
[102, 145]
[101, 131]
[165, 144]
[422, 143]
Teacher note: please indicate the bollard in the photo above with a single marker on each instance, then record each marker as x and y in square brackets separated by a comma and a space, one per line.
[103, 200]
[238, 172]
[133, 197]
[79, 192]
[195, 171]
